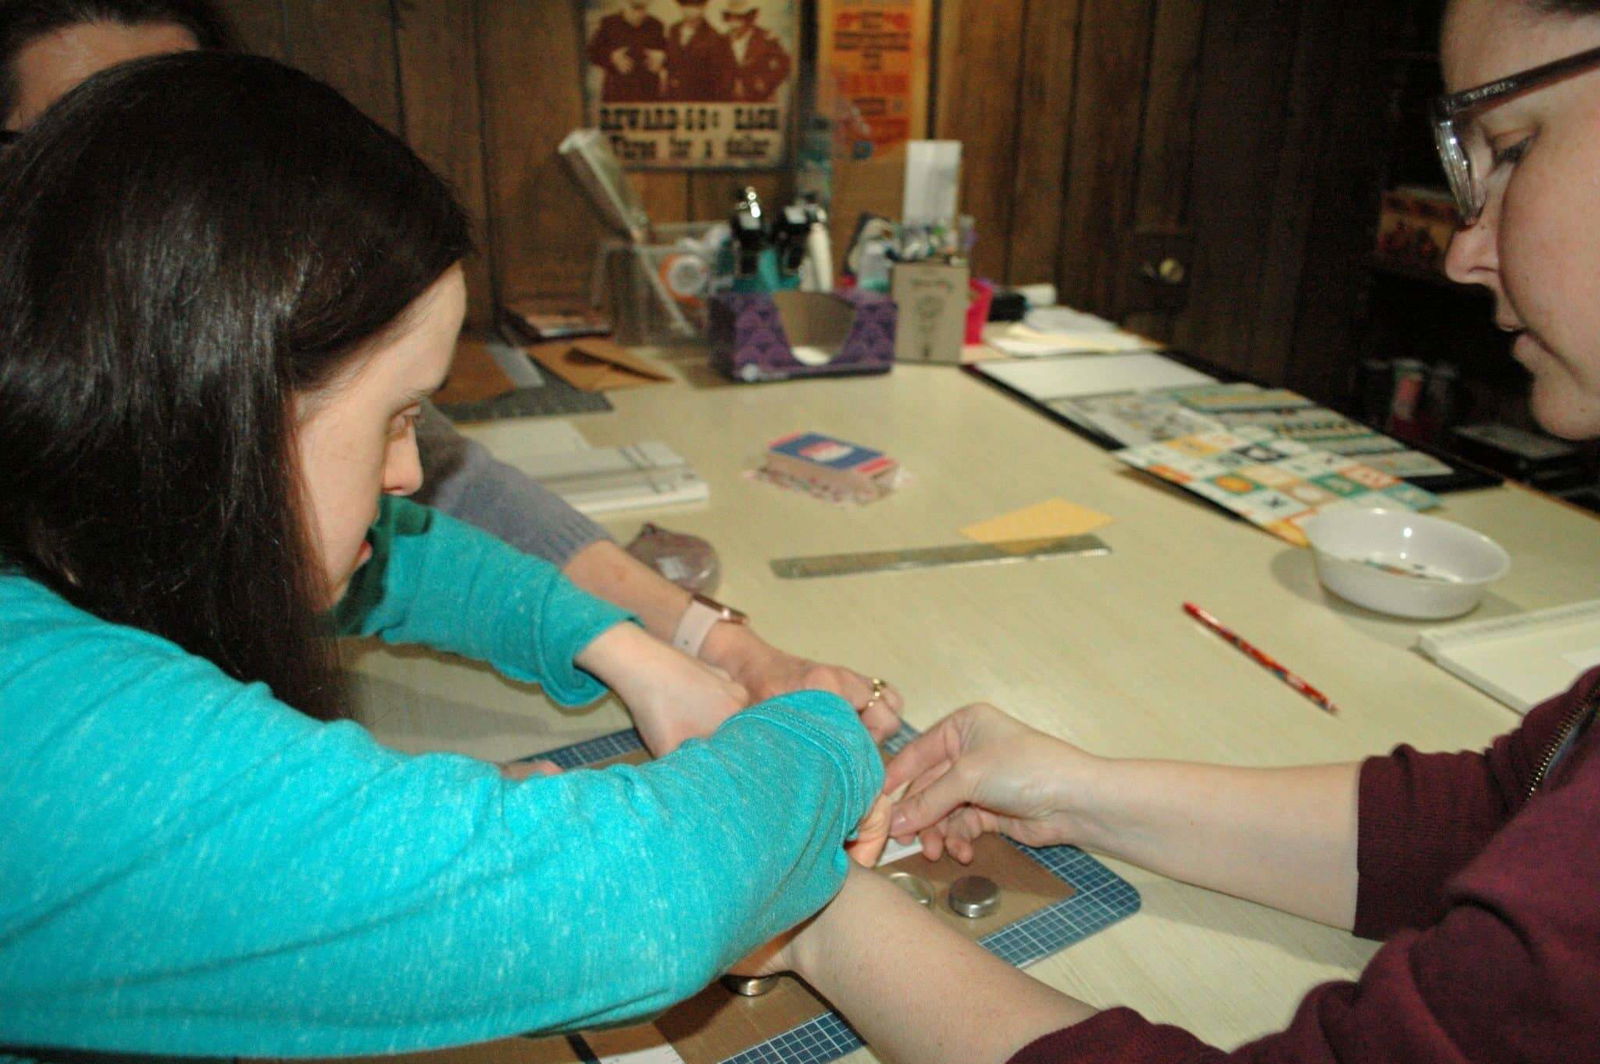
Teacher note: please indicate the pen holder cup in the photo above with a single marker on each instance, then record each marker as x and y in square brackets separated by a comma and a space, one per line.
[655, 294]
[776, 336]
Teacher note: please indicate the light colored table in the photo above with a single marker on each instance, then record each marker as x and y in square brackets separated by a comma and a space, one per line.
[1095, 649]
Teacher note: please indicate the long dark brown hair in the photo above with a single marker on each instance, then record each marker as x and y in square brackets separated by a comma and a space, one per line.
[186, 242]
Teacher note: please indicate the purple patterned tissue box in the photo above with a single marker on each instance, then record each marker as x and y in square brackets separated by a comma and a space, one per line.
[776, 336]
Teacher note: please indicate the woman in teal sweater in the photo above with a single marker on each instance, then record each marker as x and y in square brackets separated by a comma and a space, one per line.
[224, 295]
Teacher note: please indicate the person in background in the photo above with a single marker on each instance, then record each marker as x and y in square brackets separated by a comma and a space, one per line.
[760, 63]
[630, 48]
[1479, 871]
[47, 46]
[699, 61]
[224, 296]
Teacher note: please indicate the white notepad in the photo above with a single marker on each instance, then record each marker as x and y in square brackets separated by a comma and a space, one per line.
[1524, 659]
[1054, 378]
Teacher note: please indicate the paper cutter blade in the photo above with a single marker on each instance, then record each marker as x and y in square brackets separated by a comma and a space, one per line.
[878, 561]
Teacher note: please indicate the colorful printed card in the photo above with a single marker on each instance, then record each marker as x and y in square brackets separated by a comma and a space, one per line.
[830, 468]
[1137, 418]
[1271, 481]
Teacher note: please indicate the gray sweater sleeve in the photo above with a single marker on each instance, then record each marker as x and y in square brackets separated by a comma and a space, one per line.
[464, 480]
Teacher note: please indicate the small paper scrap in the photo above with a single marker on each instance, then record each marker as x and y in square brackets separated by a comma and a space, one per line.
[1053, 518]
[896, 850]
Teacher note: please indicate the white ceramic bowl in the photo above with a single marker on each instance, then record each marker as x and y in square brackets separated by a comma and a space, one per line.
[1399, 562]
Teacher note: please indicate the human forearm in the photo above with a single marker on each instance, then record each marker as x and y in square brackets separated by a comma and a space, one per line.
[917, 990]
[1285, 837]
[607, 571]
[671, 696]
[465, 481]
[437, 582]
[409, 877]
[763, 670]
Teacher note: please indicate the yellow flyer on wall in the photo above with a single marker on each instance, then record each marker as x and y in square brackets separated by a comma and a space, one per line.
[873, 61]
[691, 84]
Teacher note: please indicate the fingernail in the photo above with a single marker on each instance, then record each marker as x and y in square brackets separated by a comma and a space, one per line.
[897, 825]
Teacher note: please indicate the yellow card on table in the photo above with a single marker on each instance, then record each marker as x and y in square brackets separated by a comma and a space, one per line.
[1044, 520]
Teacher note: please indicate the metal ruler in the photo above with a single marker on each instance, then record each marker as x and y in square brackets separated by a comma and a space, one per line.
[878, 561]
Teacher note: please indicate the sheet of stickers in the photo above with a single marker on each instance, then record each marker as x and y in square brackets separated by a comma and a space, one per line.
[1270, 480]
[1136, 418]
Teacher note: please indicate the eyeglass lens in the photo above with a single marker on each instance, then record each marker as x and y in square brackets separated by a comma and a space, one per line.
[1468, 162]
[1474, 150]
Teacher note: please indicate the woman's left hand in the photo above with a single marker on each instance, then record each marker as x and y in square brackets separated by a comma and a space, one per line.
[766, 672]
[671, 696]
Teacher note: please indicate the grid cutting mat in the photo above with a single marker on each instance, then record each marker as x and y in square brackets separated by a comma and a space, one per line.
[1062, 893]
[1073, 896]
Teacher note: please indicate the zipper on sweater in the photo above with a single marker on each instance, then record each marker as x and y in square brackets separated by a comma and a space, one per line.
[1558, 742]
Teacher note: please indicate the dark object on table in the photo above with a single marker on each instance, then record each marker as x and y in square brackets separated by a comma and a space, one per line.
[688, 561]
[1008, 305]
[1531, 457]
[531, 323]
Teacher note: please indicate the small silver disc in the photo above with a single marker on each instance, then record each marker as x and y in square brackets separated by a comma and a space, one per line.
[974, 896]
[750, 985]
[913, 885]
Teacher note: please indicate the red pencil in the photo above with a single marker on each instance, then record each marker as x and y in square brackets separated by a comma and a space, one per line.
[1260, 657]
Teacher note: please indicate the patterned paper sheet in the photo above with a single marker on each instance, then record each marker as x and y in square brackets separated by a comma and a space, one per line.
[1137, 418]
[1271, 481]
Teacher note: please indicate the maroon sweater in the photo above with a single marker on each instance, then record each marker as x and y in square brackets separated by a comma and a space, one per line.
[1489, 904]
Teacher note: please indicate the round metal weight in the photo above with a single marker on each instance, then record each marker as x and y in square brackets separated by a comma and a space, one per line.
[974, 896]
[750, 985]
[913, 885]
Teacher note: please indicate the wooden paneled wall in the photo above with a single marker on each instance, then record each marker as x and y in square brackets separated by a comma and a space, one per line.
[1241, 138]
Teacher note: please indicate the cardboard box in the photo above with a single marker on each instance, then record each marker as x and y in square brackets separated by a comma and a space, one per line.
[761, 336]
[931, 299]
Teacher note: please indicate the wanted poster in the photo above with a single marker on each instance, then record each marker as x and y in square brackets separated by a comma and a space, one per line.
[691, 84]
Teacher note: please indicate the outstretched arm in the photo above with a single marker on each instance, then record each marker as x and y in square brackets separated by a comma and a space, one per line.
[465, 481]
[917, 990]
[1285, 837]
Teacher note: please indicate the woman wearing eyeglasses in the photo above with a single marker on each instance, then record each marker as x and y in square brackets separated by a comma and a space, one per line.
[1481, 872]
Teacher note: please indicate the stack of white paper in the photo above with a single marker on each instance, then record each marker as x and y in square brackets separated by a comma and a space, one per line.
[1024, 341]
[1522, 659]
[603, 479]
